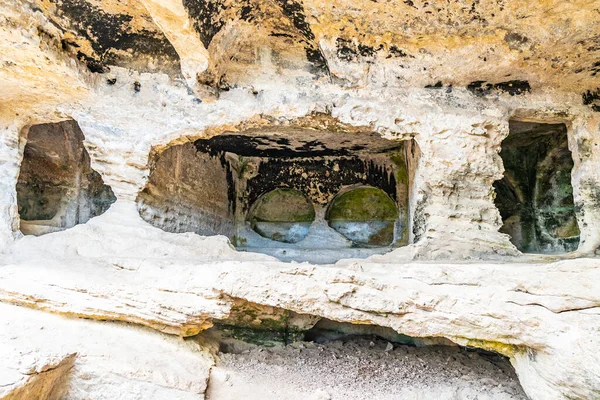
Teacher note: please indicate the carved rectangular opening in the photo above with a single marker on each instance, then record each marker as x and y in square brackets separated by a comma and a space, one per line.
[535, 196]
[294, 193]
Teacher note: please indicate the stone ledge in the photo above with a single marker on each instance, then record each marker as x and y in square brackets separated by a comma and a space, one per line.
[543, 316]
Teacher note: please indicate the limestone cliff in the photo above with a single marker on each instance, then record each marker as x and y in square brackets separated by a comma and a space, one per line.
[164, 120]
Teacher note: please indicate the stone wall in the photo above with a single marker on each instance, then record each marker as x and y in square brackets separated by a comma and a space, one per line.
[188, 191]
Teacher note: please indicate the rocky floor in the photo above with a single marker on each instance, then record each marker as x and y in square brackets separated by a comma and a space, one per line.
[362, 368]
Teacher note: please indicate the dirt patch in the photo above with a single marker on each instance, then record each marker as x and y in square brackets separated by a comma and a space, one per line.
[360, 369]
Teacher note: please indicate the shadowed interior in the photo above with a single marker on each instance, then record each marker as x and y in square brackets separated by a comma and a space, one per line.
[57, 188]
[535, 196]
[269, 190]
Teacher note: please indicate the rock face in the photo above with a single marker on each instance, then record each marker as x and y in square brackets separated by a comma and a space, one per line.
[477, 124]
[96, 360]
[541, 315]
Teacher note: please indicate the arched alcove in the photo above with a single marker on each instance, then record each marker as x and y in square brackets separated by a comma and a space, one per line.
[535, 196]
[57, 187]
[284, 215]
[365, 215]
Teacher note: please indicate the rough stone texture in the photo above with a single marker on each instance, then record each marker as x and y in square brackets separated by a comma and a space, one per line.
[187, 191]
[35, 377]
[535, 195]
[111, 296]
[95, 360]
[585, 180]
[449, 77]
[9, 170]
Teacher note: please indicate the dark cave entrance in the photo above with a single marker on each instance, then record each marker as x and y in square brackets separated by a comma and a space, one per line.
[57, 188]
[535, 196]
[294, 193]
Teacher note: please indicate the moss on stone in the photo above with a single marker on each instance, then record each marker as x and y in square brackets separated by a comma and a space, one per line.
[251, 328]
[259, 337]
[283, 205]
[401, 172]
[363, 204]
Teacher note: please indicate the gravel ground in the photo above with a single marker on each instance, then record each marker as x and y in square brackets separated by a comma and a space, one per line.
[363, 369]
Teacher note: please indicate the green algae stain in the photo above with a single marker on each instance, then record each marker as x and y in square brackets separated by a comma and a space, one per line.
[283, 205]
[401, 172]
[363, 204]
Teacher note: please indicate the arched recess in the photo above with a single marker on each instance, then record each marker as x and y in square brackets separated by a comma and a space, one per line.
[284, 215]
[365, 215]
[213, 185]
[57, 187]
[535, 195]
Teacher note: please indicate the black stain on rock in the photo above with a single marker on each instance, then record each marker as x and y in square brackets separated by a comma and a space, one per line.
[67, 44]
[93, 64]
[112, 38]
[514, 87]
[345, 50]
[396, 52]
[591, 44]
[222, 84]
[264, 146]
[277, 34]
[438, 85]
[246, 12]
[295, 12]
[324, 177]
[366, 51]
[595, 68]
[479, 89]
[207, 18]
[592, 99]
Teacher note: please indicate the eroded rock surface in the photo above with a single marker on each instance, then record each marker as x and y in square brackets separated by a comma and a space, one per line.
[445, 81]
[96, 360]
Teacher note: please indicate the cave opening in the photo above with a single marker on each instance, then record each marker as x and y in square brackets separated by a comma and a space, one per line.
[297, 194]
[307, 353]
[535, 195]
[57, 187]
